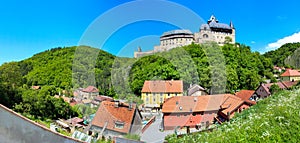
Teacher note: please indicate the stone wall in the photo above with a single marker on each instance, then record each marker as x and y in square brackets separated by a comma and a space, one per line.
[15, 128]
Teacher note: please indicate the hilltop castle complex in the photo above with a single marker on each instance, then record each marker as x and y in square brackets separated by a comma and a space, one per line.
[213, 31]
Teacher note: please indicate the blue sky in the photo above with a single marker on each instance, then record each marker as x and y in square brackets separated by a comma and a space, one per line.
[29, 27]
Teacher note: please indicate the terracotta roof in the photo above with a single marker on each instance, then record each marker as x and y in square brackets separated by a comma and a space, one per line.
[231, 103]
[291, 73]
[179, 104]
[245, 94]
[289, 84]
[188, 120]
[165, 86]
[90, 89]
[103, 98]
[107, 112]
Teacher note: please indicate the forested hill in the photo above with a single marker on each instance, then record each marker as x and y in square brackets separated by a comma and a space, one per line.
[209, 66]
[54, 67]
[217, 68]
[279, 55]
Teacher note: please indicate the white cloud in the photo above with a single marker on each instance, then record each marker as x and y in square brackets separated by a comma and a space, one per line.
[289, 39]
[253, 42]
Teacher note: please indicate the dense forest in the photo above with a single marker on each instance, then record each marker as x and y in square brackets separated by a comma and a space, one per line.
[230, 67]
[282, 56]
[217, 68]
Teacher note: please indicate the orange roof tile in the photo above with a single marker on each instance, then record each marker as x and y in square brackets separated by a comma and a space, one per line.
[231, 103]
[194, 103]
[291, 73]
[245, 94]
[107, 112]
[165, 86]
[90, 89]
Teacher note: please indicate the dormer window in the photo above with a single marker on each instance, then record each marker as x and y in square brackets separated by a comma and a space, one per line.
[119, 125]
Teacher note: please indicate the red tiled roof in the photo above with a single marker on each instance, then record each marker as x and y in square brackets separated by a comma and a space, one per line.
[291, 73]
[289, 84]
[245, 94]
[90, 89]
[103, 98]
[107, 112]
[231, 103]
[165, 86]
[194, 103]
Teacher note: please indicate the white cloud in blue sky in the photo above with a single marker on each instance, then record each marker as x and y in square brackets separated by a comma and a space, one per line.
[288, 39]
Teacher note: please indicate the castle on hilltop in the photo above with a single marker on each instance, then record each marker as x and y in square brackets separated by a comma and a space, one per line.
[212, 31]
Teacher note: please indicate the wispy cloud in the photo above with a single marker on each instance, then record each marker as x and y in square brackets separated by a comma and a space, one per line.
[289, 39]
[253, 42]
[279, 17]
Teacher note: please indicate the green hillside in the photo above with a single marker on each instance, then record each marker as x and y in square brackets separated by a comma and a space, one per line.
[275, 119]
[279, 55]
[210, 66]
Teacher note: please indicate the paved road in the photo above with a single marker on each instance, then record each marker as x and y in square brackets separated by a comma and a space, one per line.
[153, 135]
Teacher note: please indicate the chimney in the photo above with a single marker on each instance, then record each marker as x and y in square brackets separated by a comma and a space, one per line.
[195, 99]
[130, 106]
[116, 104]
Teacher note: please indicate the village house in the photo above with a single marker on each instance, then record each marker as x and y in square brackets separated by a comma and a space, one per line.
[87, 93]
[198, 112]
[290, 75]
[155, 92]
[246, 96]
[196, 90]
[231, 105]
[116, 119]
[263, 90]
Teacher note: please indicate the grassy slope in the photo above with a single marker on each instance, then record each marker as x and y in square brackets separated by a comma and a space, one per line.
[275, 119]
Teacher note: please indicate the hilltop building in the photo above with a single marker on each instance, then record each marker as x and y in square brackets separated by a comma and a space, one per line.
[212, 31]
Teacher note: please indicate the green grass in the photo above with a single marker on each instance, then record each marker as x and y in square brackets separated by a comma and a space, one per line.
[275, 119]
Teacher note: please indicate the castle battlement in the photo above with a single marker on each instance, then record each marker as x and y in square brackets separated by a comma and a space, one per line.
[212, 31]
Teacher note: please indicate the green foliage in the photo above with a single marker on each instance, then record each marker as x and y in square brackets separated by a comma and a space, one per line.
[274, 88]
[274, 119]
[210, 66]
[41, 104]
[279, 55]
[293, 60]
[132, 137]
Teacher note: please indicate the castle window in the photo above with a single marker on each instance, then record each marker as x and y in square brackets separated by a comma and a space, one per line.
[205, 36]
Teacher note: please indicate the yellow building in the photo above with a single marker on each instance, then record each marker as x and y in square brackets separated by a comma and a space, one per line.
[155, 92]
[290, 75]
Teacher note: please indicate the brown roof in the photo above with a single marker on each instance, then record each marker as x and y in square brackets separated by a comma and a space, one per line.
[90, 89]
[103, 98]
[194, 103]
[231, 103]
[165, 86]
[245, 94]
[289, 84]
[291, 73]
[107, 112]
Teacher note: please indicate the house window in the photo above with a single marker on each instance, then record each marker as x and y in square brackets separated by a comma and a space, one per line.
[119, 125]
[161, 94]
[175, 94]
